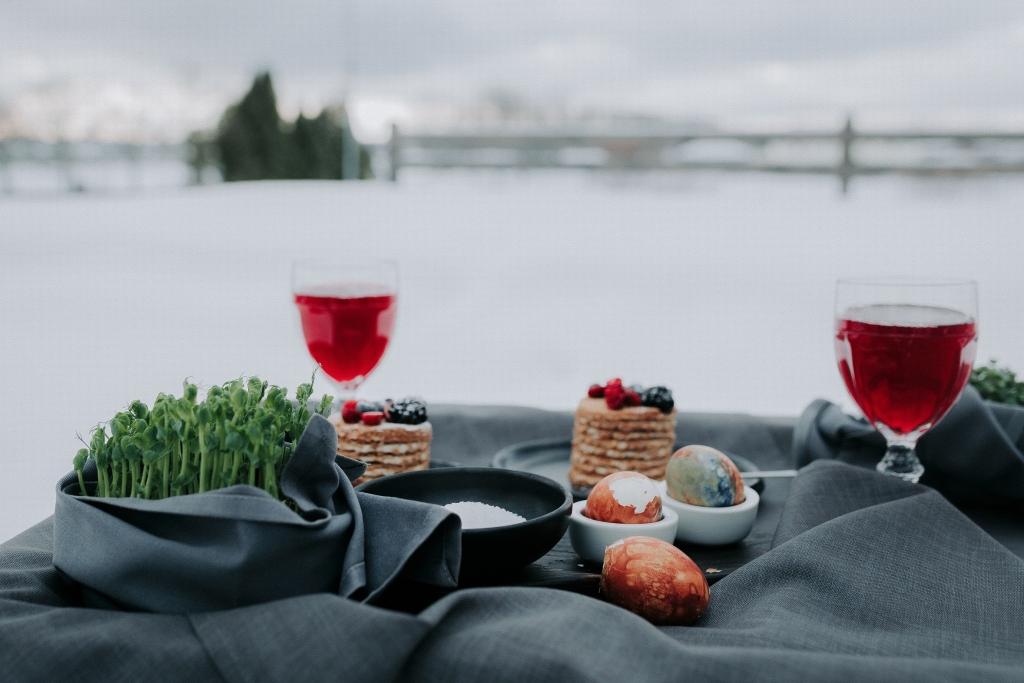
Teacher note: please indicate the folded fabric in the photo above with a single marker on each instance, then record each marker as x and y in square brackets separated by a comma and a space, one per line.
[870, 579]
[239, 546]
[972, 456]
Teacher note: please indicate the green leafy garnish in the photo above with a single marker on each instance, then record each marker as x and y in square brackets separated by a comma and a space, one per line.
[998, 384]
[243, 432]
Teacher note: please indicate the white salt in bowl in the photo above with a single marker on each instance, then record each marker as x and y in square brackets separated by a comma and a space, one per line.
[590, 537]
[709, 525]
[542, 503]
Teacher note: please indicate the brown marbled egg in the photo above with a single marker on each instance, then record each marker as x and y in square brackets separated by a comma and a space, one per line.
[624, 498]
[655, 580]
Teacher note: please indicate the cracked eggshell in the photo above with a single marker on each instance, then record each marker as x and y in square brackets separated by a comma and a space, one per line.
[655, 580]
[625, 498]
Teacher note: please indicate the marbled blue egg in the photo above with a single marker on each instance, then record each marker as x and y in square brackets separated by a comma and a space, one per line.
[700, 475]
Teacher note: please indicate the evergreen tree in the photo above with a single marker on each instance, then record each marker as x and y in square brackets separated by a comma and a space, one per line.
[317, 143]
[253, 143]
[250, 138]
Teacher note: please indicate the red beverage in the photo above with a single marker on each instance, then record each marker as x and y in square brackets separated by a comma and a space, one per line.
[347, 328]
[905, 365]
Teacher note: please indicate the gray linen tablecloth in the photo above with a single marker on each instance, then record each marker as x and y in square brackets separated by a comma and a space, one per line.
[869, 579]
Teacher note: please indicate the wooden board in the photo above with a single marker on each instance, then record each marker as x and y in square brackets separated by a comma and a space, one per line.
[563, 569]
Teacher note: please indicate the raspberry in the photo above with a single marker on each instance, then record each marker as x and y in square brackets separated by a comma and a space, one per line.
[373, 419]
[595, 391]
[349, 413]
[631, 398]
[614, 396]
[614, 383]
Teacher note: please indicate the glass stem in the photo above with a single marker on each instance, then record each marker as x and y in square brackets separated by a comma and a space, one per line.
[901, 461]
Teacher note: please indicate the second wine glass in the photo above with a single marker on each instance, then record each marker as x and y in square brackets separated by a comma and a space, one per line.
[905, 349]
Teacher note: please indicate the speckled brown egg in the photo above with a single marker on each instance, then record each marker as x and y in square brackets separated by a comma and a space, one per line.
[655, 580]
[624, 498]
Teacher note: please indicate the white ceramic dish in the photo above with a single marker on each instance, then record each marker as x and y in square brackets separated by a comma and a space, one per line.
[590, 537]
[712, 526]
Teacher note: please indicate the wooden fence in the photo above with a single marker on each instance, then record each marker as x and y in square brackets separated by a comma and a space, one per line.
[844, 153]
[968, 153]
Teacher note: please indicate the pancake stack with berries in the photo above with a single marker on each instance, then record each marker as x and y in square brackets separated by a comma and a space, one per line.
[390, 437]
[620, 429]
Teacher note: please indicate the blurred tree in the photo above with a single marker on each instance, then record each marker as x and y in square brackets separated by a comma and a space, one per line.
[318, 144]
[253, 143]
[250, 138]
[355, 159]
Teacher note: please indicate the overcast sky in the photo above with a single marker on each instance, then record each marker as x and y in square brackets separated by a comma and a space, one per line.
[935, 61]
[397, 36]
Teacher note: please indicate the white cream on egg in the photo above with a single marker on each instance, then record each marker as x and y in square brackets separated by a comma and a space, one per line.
[635, 492]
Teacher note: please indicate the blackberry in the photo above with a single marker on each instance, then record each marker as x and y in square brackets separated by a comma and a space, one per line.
[369, 407]
[658, 397]
[408, 411]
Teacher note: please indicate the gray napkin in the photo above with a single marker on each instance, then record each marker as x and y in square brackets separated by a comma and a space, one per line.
[240, 546]
[973, 456]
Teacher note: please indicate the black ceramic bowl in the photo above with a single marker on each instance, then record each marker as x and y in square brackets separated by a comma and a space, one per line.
[544, 504]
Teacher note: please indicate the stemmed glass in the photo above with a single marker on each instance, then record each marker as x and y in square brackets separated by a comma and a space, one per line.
[905, 349]
[348, 315]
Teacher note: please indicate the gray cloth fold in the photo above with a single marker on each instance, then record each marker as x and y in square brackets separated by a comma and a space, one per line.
[887, 581]
[239, 546]
[972, 456]
[869, 579]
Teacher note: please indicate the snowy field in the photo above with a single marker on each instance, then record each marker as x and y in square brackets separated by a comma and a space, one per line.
[515, 289]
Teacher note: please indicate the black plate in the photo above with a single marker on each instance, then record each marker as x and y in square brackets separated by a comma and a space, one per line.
[495, 550]
[550, 458]
[439, 464]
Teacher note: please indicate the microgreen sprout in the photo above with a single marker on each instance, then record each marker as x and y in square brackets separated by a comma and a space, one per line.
[243, 432]
[998, 384]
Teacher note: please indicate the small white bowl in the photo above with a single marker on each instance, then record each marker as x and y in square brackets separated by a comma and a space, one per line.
[712, 526]
[590, 537]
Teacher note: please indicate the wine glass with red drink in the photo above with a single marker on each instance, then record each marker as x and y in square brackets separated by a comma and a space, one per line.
[348, 315]
[905, 349]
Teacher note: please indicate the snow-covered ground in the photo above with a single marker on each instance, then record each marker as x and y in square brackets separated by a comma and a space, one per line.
[515, 289]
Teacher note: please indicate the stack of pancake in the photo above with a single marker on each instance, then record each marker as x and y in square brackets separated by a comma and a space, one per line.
[387, 448]
[605, 441]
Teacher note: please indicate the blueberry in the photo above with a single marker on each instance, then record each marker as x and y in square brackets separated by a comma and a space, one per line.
[408, 411]
[369, 407]
[658, 397]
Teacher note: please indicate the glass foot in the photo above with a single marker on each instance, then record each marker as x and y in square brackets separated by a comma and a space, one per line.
[902, 462]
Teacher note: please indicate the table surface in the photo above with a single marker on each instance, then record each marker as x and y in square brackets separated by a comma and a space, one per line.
[812, 636]
[763, 440]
